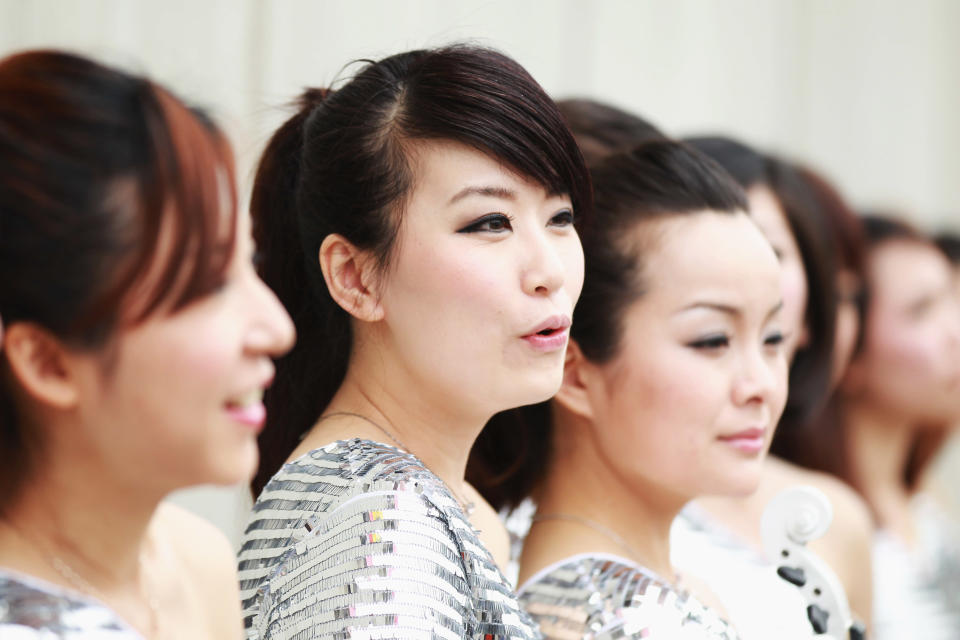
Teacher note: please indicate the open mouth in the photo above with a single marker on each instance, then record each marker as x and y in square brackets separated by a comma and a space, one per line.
[248, 408]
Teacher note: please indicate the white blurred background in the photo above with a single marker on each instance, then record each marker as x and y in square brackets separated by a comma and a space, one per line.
[867, 91]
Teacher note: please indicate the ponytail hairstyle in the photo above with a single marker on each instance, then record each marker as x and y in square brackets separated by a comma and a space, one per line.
[342, 165]
[115, 199]
[657, 180]
[812, 363]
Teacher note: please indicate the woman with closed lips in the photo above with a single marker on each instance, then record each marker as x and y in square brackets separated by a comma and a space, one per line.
[674, 379]
[896, 403]
[429, 259]
[138, 340]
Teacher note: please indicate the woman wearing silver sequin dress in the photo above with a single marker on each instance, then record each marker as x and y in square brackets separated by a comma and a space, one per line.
[418, 224]
[137, 341]
[674, 380]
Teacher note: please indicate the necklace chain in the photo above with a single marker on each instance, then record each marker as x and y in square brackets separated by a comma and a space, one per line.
[81, 584]
[606, 531]
[591, 524]
[466, 505]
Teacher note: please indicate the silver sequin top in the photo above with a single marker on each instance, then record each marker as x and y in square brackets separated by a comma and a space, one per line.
[31, 609]
[601, 597]
[360, 540]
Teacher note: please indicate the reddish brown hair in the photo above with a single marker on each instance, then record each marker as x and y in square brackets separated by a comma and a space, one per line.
[117, 201]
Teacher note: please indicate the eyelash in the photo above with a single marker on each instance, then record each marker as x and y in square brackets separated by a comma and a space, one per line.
[720, 341]
[482, 224]
[563, 218]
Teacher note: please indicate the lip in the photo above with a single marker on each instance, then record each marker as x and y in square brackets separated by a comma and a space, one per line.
[550, 335]
[751, 441]
[253, 415]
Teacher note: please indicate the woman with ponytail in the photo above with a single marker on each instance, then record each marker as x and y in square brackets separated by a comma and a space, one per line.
[136, 344]
[417, 223]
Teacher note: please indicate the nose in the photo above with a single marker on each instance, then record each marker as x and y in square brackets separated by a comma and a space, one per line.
[758, 378]
[543, 265]
[272, 332]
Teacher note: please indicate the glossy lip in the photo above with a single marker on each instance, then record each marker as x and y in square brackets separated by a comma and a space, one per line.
[750, 441]
[559, 330]
[253, 416]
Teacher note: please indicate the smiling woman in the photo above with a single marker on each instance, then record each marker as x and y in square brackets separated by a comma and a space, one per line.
[418, 224]
[137, 341]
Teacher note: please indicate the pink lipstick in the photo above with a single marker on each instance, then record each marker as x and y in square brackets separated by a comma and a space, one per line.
[750, 441]
[550, 335]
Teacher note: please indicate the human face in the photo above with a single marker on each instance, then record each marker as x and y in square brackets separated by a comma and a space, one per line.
[910, 364]
[690, 401]
[485, 260]
[766, 211]
[176, 400]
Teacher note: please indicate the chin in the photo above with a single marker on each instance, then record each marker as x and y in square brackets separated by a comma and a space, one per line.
[536, 388]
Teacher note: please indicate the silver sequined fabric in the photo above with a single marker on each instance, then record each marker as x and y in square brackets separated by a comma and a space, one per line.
[601, 597]
[33, 610]
[360, 540]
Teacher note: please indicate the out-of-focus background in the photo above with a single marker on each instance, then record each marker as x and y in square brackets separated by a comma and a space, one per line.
[868, 91]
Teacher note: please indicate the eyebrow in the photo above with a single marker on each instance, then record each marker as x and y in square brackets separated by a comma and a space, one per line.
[488, 191]
[727, 309]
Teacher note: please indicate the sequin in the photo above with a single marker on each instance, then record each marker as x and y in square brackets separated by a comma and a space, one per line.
[34, 610]
[602, 597]
[359, 540]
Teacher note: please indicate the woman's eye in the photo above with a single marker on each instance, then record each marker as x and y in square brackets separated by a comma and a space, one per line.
[774, 339]
[711, 342]
[491, 223]
[563, 218]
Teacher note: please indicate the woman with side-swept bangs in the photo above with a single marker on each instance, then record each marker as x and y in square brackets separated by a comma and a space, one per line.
[418, 225]
[135, 348]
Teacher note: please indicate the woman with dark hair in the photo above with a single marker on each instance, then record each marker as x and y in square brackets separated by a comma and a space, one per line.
[136, 345]
[602, 129]
[720, 538]
[901, 388]
[674, 379]
[418, 225]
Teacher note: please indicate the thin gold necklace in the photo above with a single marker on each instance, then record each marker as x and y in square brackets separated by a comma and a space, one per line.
[606, 531]
[465, 505]
[81, 584]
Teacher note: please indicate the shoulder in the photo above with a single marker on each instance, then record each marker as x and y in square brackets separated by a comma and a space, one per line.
[35, 610]
[614, 598]
[203, 565]
[852, 521]
[365, 537]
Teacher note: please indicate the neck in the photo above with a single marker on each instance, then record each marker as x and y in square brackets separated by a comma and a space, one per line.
[638, 513]
[76, 512]
[407, 417]
[879, 446]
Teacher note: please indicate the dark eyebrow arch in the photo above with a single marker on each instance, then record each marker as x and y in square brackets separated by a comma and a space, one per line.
[486, 191]
[727, 309]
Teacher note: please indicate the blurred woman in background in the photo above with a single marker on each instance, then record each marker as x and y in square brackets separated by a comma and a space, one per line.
[136, 346]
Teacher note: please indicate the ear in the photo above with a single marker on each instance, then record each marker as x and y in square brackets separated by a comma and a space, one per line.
[853, 379]
[351, 277]
[577, 372]
[41, 365]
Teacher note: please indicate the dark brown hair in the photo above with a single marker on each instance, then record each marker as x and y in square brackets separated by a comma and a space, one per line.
[602, 129]
[949, 243]
[341, 165]
[817, 442]
[656, 180]
[106, 177]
